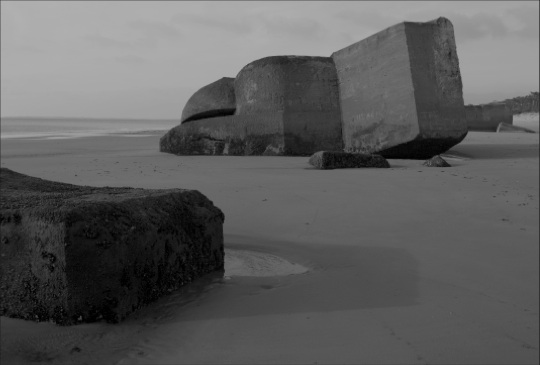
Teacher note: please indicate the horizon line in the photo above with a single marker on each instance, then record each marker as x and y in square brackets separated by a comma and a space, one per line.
[58, 117]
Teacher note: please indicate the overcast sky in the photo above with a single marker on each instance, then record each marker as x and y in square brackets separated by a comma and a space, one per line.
[138, 59]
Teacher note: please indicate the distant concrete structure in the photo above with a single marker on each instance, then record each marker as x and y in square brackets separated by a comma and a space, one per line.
[487, 117]
[285, 105]
[78, 253]
[397, 93]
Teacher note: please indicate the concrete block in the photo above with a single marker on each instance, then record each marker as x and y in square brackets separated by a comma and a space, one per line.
[235, 135]
[401, 91]
[215, 99]
[487, 117]
[326, 160]
[436, 161]
[302, 91]
[77, 253]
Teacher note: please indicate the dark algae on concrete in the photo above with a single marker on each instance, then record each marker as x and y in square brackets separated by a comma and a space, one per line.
[78, 253]
[327, 160]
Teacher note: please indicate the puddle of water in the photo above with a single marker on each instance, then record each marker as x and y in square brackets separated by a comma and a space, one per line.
[251, 263]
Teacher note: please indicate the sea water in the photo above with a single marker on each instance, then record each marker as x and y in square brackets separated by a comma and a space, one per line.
[54, 128]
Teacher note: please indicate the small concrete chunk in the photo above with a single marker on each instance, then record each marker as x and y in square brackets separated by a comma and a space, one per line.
[325, 160]
[436, 161]
[78, 253]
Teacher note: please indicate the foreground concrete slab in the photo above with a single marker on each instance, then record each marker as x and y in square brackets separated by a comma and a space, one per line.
[76, 253]
[401, 91]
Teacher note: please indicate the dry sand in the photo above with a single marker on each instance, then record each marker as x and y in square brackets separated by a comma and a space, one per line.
[410, 264]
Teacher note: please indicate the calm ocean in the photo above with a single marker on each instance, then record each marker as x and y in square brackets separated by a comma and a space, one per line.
[54, 128]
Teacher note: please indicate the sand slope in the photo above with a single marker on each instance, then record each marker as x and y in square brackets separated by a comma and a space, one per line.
[410, 264]
[527, 120]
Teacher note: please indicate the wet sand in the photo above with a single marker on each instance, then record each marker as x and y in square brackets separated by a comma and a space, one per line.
[410, 264]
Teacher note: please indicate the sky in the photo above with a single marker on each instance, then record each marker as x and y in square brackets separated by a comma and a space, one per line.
[144, 59]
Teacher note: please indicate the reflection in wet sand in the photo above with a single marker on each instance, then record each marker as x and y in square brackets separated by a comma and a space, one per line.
[250, 263]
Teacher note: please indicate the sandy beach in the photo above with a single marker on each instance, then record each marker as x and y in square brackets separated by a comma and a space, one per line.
[410, 264]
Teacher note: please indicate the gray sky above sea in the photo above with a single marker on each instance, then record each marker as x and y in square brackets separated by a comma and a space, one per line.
[144, 59]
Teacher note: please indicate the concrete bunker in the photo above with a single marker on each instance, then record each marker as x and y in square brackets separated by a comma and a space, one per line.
[285, 105]
[397, 93]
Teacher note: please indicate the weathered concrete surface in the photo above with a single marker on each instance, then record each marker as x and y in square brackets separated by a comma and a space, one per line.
[298, 96]
[215, 99]
[436, 161]
[235, 135]
[326, 160]
[487, 117]
[401, 91]
[505, 127]
[76, 253]
[397, 93]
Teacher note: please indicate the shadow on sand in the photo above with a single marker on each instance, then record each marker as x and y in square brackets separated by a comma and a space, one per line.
[341, 277]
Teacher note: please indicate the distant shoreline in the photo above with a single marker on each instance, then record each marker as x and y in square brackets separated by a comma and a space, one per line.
[62, 128]
[92, 118]
[138, 119]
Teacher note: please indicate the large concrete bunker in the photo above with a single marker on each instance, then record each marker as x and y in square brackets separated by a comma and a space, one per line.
[285, 105]
[397, 93]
